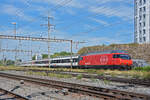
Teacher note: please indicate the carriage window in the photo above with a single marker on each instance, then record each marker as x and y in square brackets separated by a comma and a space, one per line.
[68, 60]
[45, 62]
[75, 60]
[38, 62]
[54, 61]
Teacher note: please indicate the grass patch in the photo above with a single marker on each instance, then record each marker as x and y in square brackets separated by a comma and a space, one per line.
[146, 76]
[106, 82]
[36, 73]
[49, 74]
[59, 75]
[139, 72]
[79, 76]
[147, 69]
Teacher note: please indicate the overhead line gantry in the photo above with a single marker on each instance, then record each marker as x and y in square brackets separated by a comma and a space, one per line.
[42, 40]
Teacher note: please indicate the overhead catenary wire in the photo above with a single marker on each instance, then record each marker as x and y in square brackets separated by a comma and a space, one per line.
[94, 29]
[55, 8]
[81, 15]
[59, 5]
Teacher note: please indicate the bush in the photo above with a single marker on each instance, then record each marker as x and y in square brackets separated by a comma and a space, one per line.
[142, 68]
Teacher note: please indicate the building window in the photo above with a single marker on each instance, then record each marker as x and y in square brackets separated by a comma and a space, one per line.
[140, 39]
[140, 25]
[140, 3]
[144, 31]
[136, 40]
[140, 32]
[144, 1]
[140, 10]
[136, 5]
[143, 24]
[144, 9]
[135, 34]
[144, 16]
[140, 17]
[144, 39]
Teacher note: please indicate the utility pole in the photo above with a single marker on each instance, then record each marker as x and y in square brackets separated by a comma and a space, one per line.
[48, 30]
[0, 50]
[14, 23]
[16, 56]
[19, 46]
[3, 59]
[71, 53]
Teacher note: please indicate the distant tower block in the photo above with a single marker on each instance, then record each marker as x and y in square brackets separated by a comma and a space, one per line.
[142, 21]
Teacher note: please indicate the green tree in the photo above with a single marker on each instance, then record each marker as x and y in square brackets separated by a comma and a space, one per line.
[63, 53]
[33, 58]
[10, 62]
[44, 56]
[1, 62]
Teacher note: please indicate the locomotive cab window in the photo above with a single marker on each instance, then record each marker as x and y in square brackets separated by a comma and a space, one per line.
[122, 56]
[115, 56]
[127, 57]
[81, 58]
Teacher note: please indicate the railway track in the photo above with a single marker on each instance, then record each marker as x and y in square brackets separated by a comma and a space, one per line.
[12, 95]
[135, 81]
[106, 94]
[143, 82]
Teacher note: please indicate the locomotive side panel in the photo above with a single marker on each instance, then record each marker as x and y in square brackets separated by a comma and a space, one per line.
[112, 61]
[101, 59]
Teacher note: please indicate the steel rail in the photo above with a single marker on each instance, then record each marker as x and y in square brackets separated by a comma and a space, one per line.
[58, 85]
[109, 94]
[14, 95]
[133, 81]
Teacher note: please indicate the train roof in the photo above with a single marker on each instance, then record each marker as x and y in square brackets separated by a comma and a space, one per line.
[65, 57]
[105, 52]
[61, 57]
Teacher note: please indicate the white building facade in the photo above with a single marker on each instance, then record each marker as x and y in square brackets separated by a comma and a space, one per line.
[142, 21]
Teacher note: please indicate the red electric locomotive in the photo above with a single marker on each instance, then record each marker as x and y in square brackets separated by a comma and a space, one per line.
[115, 59]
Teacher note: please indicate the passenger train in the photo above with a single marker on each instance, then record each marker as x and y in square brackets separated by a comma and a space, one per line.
[54, 62]
[114, 59]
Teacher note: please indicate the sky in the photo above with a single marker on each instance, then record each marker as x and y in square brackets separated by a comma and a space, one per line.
[96, 22]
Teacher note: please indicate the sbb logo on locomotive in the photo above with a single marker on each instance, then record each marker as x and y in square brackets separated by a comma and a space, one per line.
[103, 60]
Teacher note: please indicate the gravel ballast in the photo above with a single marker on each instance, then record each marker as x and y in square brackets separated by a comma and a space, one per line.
[36, 92]
[93, 82]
